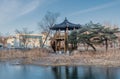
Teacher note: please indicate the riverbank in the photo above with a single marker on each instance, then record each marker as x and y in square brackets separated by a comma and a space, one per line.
[43, 57]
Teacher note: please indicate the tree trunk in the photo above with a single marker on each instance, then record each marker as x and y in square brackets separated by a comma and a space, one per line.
[106, 43]
[87, 47]
[46, 38]
[92, 46]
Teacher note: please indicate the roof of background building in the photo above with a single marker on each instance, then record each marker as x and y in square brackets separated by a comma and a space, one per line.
[31, 35]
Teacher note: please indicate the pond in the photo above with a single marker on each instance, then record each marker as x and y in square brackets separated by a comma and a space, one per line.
[8, 71]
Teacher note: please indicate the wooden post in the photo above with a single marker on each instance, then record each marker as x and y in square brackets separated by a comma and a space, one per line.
[65, 42]
[56, 41]
[67, 39]
[59, 39]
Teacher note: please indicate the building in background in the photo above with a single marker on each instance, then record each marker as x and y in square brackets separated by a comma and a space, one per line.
[27, 41]
[10, 42]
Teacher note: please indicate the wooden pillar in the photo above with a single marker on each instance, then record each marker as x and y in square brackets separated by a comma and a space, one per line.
[55, 45]
[66, 40]
[56, 41]
[59, 40]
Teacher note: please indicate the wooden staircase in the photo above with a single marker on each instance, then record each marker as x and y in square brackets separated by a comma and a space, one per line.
[57, 41]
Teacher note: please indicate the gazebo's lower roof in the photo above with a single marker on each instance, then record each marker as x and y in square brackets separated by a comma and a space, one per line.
[64, 25]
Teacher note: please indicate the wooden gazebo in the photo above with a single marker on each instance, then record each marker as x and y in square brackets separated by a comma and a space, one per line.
[60, 39]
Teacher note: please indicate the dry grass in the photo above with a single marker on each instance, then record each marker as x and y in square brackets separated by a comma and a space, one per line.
[44, 57]
[32, 53]
[101, 57]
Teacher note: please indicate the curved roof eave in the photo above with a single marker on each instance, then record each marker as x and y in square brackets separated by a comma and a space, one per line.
[65, 24]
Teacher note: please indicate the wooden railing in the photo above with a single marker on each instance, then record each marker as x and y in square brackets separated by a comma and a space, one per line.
[59, 36]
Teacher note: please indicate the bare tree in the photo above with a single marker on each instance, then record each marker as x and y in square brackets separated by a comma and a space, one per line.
[3, 39]
[23, 35]
[23, 31]
[48, 21]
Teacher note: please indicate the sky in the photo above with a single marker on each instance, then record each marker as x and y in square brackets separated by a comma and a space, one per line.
[18, 14]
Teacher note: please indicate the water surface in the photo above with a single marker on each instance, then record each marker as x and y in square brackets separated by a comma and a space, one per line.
[8, 71]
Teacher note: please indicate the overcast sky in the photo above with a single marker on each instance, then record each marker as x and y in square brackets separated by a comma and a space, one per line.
[16, 14]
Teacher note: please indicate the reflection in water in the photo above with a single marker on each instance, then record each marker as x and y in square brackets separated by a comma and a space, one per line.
[57, 72]
[84, 73]
[88, 74]
[8, 71]
[67, 72]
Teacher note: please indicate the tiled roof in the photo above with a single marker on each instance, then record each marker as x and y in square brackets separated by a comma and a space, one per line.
[65, 24]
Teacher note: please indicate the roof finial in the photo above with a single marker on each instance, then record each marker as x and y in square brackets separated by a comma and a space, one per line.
[65, 18]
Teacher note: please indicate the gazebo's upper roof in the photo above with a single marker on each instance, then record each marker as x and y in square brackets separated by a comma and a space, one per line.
[65, 24]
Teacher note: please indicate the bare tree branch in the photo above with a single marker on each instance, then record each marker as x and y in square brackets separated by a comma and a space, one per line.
[48, 21]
